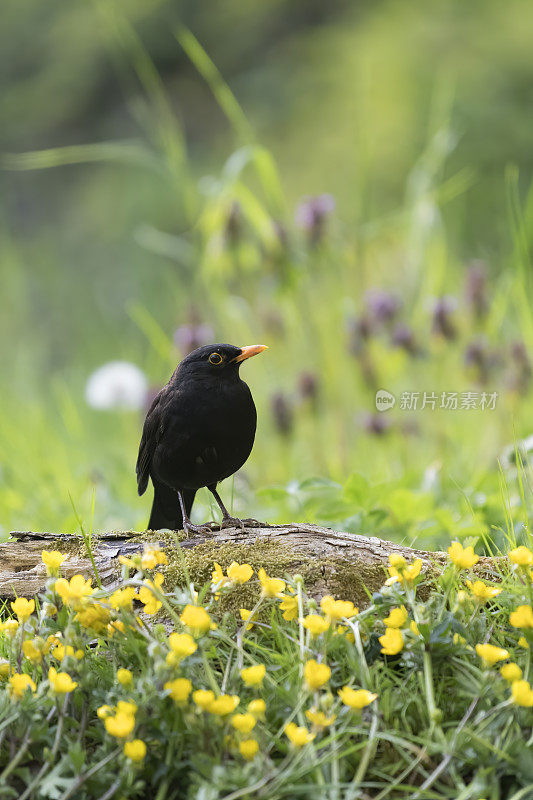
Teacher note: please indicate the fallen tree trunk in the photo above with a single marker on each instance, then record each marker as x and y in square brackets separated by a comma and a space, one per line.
[343, 564]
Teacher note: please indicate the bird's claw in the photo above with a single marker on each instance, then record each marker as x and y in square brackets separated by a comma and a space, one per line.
[206, 528]
[235, 522]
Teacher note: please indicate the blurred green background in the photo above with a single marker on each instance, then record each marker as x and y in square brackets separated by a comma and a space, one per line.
[348, 183]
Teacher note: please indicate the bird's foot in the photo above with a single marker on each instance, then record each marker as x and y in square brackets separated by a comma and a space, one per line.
[204, 529]
[235, 522]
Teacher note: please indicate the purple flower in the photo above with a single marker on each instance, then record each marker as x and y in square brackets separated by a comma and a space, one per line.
[442, 323]
[282, 412]
[308, 387]
[480, 357]
[360, 330]
[476, 288]
[383, 305]
[312, 213]
[404, 337]
[376, 424]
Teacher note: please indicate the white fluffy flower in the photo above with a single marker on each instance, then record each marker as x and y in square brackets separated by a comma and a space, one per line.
[117, 384]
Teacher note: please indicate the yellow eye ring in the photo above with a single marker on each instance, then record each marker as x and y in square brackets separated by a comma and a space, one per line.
[215, 358]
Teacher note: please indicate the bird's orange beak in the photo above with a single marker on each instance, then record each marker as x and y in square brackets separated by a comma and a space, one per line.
[251, 350]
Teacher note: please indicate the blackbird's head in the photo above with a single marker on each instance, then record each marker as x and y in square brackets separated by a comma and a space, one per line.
[217, 360]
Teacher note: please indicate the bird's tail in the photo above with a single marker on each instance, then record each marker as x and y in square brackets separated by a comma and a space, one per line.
[166, 510]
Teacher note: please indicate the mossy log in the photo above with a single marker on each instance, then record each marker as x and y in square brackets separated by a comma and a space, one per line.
[346, 565]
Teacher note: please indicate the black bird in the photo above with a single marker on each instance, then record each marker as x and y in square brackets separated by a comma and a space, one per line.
[199, 430]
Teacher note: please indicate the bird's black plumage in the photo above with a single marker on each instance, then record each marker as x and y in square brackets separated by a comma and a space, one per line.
[199, 430]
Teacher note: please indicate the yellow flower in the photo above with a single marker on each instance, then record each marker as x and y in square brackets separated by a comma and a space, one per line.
[298, 736]
[491, 654]
[104, 711]
[522, 693]
[246, 614]
[481, 591]
[32, 652]
[243, 723]
[399, 570]
[271, 587]
[414, 628]
[23, 608]
[522, 617]
[53, 560]
[75, 592]
[5, 668]
[60, 650]
[252, 676]
[127, 707]
[10, 626]
[249, 748]
[257, 707]
[391, 641]
[511, 672]
[316, 675]
[356, 698]
[239, 573]
[147, 594]
[116, 626]
[397, 617]
[152, 557]
[523, 642]
[319, 719]
[289, 607]
[19, 683]
[94, 616]
[217, 576]
[181, 645]
[196, 619]
[522, 556]
[203, 698]
[462, 557]
[120, 725]
[124, 677]
[135, 750]
[223, 705]
[61, 682]
[315, 624]
[337, 609]
[122, 598]
[458, 639]
[179, 689]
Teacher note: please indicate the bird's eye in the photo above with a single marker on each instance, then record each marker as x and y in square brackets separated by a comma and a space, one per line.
[215, 358]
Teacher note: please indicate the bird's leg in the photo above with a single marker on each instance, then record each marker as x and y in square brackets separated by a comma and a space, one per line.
[188, 526]
[227, 520]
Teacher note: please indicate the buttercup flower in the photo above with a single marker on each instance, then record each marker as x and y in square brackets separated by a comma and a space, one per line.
[94, 616]
[23, 608]
[124, 677]
[181, 646]
[315, 674]
[391, 641]
[179, 689]
[337, 609]
[104, 711]
[135, 750]
[356, 698]
[19, 683]
[243, 723]
[32, 652]
[271, 587]
[462, 557]
[298, 736]
[249, 748]
[120, 725]
[196, 619]
[523, 642]
[117, 626]
[239, 573]
[53, 560]
[511, 672]
[147, 594]
[75, 592]
[257, 707]
[122, 598]
[246, 614]
[152, 557]
[319, 719]
[413, 627]
[521, 556]
[223, 705]
[289, 607]
[491, 654]
[522, 694]
[5, 668]
[402, 572]
[217, 576]
[522, 617]
[252, 676]
[61, 682]
[10, 627]
[481, 591]
[315, 624]
[203, 698]
[397, 617]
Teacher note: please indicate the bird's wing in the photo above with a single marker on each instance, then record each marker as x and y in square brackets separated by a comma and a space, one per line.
[152, 430]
